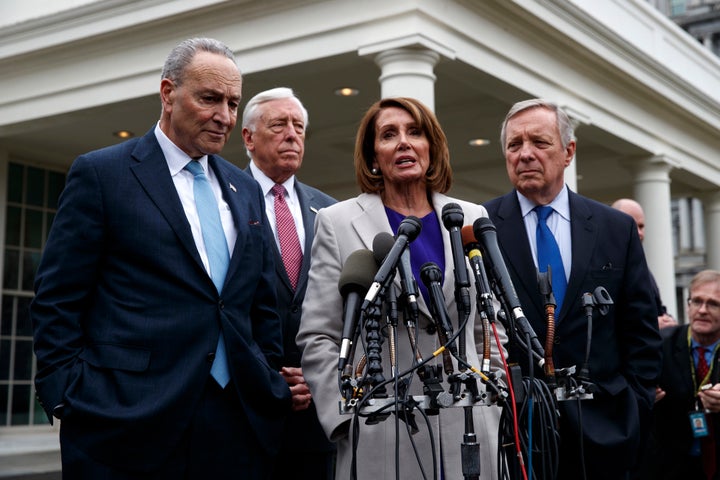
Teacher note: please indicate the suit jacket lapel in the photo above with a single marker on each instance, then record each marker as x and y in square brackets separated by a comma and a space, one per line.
[235, 199]
[308, 210]
[516, 249]
[584, 236]
[372, 220]
[151, 170]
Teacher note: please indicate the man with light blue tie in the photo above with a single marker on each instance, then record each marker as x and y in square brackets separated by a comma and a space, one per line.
[156, 332]
[588, 245]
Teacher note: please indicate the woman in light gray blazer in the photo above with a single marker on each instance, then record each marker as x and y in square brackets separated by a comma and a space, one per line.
[403, 168]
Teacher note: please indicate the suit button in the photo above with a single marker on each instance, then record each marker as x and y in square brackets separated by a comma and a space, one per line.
[295, 309]
[221, 304]
[210, 357]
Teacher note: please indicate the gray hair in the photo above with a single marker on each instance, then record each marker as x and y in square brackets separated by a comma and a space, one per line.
[250, 114]
[181, 56]
[567, 133]
[703, 277]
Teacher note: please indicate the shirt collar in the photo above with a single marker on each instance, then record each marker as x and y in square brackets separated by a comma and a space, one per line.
[266, 183]
[561, 203]
[175, 158]
[695, 344]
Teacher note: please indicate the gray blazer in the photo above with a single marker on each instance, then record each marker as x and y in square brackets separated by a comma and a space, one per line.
[340, 230]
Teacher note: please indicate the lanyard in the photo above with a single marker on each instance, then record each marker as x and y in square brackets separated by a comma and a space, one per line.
[692, 363]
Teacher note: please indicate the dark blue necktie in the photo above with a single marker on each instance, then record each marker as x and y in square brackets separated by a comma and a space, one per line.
[217, 252]
[548, 254]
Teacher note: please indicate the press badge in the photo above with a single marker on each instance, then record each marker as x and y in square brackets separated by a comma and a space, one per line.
[699, 424]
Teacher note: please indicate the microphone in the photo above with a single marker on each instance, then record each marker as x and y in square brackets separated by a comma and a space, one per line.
[452, 217]
[408, 231]
[485, 231]
[471, 247]
[355, 279]
[431, 275]
[382, 244]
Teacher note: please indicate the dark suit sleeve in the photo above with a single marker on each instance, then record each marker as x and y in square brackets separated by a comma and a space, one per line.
[65, 282]
[637, 324]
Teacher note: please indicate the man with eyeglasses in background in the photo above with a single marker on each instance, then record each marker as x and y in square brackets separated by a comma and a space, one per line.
[686, 424]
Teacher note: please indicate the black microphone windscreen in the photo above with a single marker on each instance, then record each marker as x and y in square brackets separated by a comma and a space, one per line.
[482, 225]
[430, 272]
[358, 272]
[382, 244]
[452, 215]
[410, 227]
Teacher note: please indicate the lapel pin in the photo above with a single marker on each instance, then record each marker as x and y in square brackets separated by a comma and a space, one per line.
[313, 209]
[232, 187]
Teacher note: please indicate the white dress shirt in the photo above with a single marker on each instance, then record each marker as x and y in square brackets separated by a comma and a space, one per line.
[558, 222]
[183, 180]
[266, 184]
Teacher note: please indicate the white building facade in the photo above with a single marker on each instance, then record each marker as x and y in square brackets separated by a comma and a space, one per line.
[644, 96]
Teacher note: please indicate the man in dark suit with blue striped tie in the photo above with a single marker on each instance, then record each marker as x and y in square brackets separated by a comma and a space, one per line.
[158, 341]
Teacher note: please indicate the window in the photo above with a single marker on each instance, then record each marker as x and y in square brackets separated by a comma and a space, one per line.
[32, 195]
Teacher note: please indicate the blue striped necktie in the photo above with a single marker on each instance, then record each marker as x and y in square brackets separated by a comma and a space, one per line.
[548, 254]
[217, 252]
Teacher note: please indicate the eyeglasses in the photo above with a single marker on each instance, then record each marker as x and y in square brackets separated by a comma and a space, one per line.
[711, 305]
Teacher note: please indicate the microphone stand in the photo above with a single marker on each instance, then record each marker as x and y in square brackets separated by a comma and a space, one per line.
[545, 286]
[373, 338]
[470, 448]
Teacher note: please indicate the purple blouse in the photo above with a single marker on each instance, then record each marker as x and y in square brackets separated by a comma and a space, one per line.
[427, 247]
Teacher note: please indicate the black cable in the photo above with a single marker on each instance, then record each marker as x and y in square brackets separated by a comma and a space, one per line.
[545, 441]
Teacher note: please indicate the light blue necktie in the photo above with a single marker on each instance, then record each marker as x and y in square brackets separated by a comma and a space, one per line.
[548, 253]
[217, 252]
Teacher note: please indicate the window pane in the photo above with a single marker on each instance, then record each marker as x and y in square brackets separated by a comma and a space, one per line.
[56, 183]
[4, 359]
[21, 405]
[33, 228]
[24, 327]
[31, 260]
[12, 229]
[7, 315]
[23, 360]
[11, 274]
[3, 404]
[35, 188]
[15, 183]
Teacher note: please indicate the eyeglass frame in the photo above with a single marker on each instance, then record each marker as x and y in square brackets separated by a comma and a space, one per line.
[711, 305]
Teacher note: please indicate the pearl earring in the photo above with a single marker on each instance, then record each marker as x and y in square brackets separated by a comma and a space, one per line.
[375, 171]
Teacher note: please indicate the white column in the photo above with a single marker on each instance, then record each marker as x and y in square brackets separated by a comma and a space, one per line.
[571, 171]
[712, 229]
[408, 72]
[652, 191]
[577, 120]
[685, 228]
